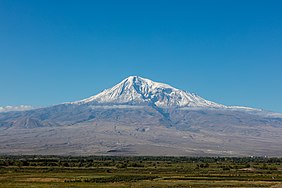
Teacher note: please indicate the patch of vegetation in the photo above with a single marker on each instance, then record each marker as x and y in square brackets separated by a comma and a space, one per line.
[116, 178]
[110, 171]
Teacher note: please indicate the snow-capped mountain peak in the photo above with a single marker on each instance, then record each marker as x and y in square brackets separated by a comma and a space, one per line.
[138, 90]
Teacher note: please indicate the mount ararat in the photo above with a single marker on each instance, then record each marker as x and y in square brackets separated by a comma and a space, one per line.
[141, 117]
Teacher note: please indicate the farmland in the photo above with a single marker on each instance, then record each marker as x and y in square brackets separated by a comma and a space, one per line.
[107, 171]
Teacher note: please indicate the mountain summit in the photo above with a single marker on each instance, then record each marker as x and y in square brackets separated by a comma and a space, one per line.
[138, 90]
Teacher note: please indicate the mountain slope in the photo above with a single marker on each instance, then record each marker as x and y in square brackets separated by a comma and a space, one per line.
[142, 117]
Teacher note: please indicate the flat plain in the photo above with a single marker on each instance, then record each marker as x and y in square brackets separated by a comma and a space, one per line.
[107, 171]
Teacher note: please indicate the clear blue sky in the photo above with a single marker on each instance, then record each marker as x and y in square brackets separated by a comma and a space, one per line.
[229, 52]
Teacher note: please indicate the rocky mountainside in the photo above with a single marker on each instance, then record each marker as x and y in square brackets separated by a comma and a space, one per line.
[142, 117]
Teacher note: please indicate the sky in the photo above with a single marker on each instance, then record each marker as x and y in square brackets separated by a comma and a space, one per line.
[229, 52]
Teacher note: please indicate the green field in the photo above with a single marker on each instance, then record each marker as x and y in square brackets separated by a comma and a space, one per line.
[55, 171]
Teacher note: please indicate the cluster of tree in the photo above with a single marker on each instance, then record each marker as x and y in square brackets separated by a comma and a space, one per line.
[126, 161]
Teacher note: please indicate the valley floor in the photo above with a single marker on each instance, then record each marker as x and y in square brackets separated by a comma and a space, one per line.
[54, 171]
